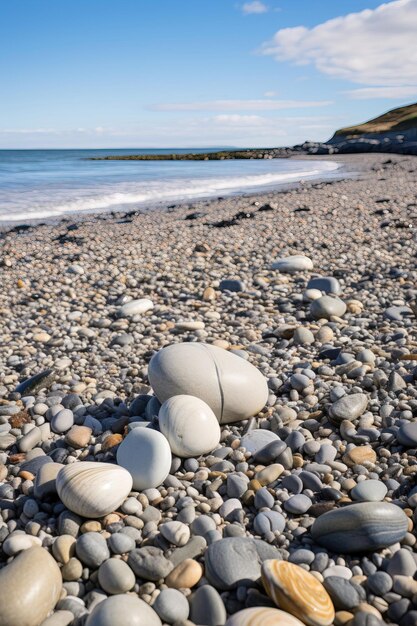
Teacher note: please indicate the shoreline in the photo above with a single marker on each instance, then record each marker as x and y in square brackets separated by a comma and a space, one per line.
[346, 169]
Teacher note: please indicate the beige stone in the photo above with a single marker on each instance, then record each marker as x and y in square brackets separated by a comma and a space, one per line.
[78, 436]
[30, 586]
[185, 575]
[63, 548]
[269, 474]
[360, 455]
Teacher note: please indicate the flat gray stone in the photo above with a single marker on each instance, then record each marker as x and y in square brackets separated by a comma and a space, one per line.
[328, 284]
[236, 561]
[327, 307]
[402, 563]
[255, 440]
[407, 434]
[149, 563]
[298, 504]
[171, 606]
[369, 491]
[91, 548]
[268, 521]
[360, 527]
[229, 284]
[207, 607]
[349, 407]
[45, 481]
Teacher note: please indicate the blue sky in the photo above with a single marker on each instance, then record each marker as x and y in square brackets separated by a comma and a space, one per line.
[189, 73]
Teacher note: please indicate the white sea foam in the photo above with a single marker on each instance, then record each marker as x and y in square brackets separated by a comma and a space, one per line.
[45, 203]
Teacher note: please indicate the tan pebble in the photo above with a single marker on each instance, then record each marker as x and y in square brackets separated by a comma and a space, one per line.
[410, 470]
[111, 441]
[63, 548]
[359, 579]
[26, 475]
[78, 436]
[248, 497]
[298, 460]
[72, 570]
[216, 474]
[221, 343]
[209, 294]
[270, 474]
[92, 526]
[295, 590]
[111, 518]
[185, 576]
[41, 337]
[348, 484]
[4, 471]
[324, 334]
[342, 617]
[360, 455]
[20, 284]
[354, 306]
[254, 485]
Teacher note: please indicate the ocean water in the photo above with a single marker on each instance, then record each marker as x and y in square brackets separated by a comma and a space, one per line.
[41, 184]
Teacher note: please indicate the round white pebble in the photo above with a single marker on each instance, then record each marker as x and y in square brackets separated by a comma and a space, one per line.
[146, 455]
[190, 426]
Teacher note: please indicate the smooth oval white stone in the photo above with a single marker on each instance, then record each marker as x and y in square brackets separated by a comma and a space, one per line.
[291, 264]
[17, 542]
[135, 307]
[190, 426]
[232, 387]
[121, 610]
[93, 489]
[146, 455]
[30, 586]
[176, 533]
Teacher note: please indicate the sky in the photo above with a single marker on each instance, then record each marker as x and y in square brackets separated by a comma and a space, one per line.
[199, 73]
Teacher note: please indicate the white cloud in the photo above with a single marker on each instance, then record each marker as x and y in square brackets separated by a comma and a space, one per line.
[239, 105]
[372, 47]
[254, 7]
[28, 131]
[239, 120]
[224, 129]
[270, 94]
[366, 93]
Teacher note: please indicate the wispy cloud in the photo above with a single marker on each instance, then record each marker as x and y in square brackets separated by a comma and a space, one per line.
[239, 105]
[368, 93]
[372, 47]
[28, 131]
[254, 7]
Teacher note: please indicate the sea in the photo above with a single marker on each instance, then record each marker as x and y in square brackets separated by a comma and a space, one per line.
[42, 184]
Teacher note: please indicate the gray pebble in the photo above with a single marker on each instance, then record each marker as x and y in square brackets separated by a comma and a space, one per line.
[91, 548]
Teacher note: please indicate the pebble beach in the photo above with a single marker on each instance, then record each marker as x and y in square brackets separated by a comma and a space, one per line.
[208, 412]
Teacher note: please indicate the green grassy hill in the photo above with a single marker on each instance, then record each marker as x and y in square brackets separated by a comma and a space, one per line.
[396, 120]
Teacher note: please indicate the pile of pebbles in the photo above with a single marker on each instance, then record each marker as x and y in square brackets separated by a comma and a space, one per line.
[214, 425]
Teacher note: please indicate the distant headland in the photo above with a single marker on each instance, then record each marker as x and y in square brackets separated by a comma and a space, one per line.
[392, 132]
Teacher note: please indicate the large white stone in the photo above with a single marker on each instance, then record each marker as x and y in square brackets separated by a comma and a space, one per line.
[146, 455]
[190, 426]
[295, 263]
[135, 307]
[233, 388]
